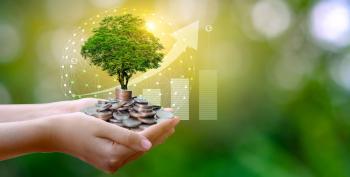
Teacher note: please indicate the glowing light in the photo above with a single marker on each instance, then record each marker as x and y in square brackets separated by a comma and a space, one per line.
[340, 72]
[10, 43]
[151, 26]
[4, 95]
[330, 22]
[106, 3]
[271, 17]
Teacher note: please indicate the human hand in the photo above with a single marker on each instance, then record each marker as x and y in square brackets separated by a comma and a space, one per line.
[156, 134]
[71, 106]
[23, 112]
[104, 145]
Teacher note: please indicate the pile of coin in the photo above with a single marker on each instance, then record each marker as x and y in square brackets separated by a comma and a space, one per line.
[135, 114]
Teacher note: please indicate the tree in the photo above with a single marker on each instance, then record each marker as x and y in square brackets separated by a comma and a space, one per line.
[122, 46]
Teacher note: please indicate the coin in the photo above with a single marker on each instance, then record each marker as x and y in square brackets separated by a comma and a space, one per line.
[140, 109]
[91, 111]
[129, 103]
[131, 122]
[154, 107]
[104, 115]
[143, 106]
[123, 94]
[120, 116]
[147, 120]
[141, 100]
[104, 107]
[161, 114]
[142, 114]
[124, 108]
[135, 114]
[115, 106]
[113, 120]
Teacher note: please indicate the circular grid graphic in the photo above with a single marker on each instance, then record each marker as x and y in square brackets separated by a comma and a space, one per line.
[81, 79]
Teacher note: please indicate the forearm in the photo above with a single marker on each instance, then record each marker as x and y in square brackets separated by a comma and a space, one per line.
[10, 113]
[17, 138]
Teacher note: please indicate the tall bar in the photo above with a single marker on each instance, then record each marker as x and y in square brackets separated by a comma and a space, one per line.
[208, 91]
[180, 97]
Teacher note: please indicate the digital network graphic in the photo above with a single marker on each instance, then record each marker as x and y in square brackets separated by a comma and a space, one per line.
[170, 85]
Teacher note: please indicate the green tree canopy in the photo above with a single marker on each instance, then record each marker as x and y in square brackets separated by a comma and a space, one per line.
[122, 46]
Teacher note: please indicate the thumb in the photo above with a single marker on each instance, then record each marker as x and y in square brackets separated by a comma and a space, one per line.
[125, 137]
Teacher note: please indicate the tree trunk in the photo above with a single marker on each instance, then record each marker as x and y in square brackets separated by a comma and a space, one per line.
[124, 86]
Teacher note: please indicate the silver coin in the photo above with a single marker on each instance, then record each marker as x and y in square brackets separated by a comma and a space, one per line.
[142, 114]
[104, 115]
[104, 107]
[113, 101]
[131, 123]
[91, 111]
[161, 114]
[147, 120]
[140, 109]
[115, 106]
[120, 116]
[124, 108]
[113, 120]
[129, 103]
[135, 114]
[155, 107]
[143, 106]
[141, 100]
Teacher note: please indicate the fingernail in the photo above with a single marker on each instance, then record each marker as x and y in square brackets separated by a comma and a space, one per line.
[146, 144]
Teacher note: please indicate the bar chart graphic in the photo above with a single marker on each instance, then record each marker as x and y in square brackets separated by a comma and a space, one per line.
[208, 95]
[180, 97]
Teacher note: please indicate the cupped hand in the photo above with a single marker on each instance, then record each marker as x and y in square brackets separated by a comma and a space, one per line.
[104, 145]
[77, 105]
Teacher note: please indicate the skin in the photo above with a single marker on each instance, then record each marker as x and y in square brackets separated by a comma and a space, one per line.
[59, 127]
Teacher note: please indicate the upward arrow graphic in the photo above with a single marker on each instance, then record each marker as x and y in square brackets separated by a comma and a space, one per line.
[186, 37]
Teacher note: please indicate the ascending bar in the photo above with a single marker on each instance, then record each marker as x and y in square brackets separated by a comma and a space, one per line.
[180, 97]
[152, 95]
[208, 95]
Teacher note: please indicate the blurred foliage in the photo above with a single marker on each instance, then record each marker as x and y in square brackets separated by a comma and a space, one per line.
[263, 129]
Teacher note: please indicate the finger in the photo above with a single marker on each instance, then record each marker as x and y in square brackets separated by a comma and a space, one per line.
[89, 101]
[158, 141]
[160, 129]
[124, 136]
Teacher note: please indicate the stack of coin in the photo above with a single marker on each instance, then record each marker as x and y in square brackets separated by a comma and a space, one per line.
[135, 114]
[124, 95]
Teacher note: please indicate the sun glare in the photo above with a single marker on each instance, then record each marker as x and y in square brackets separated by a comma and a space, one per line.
[151, 26]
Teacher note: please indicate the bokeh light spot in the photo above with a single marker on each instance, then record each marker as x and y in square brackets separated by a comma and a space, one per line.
[330, 23]
[10, 43]
[270, 17]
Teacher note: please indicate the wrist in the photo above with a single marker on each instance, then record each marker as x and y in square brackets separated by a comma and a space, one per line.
[45, 141]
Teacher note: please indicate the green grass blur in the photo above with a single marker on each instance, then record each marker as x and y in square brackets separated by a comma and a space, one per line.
[272, 120]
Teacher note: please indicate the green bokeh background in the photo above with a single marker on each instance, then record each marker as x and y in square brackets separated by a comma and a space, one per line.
[263, 129]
